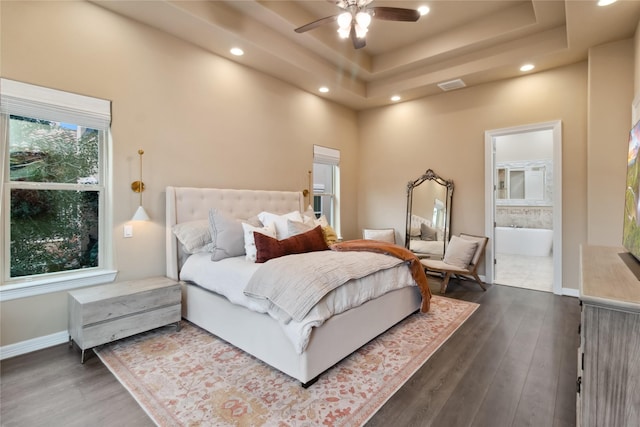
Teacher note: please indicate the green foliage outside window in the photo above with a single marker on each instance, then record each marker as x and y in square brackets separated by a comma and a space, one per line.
[54, 225]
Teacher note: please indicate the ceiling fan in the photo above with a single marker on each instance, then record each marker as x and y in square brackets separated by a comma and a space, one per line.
[354, 21]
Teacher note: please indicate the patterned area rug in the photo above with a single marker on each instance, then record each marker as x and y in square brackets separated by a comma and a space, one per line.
[192, 378]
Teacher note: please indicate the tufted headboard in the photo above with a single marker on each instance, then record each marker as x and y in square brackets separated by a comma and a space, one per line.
[189, 204]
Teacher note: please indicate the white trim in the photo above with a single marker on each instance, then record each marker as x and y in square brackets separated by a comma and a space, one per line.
[55, 284]
[33, 344]
[51, 104]
[40, 102]
[489, 160]
[326, 155]
[570, 292]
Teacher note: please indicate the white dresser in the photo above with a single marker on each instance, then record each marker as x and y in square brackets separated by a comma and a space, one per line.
[101, 314]
[609, 354]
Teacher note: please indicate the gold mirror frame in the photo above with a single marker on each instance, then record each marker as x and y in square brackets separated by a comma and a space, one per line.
[428, 176]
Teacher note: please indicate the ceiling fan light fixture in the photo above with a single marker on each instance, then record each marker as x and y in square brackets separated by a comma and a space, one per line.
[360, 32]
[344, 24]
[423, 10]
[363, 19]
[344, 20]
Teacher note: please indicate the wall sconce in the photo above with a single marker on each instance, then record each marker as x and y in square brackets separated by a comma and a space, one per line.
[138, 187]
[307, 191]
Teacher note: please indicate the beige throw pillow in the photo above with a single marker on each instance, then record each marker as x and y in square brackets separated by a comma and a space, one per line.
[194, 236]
[460, 252]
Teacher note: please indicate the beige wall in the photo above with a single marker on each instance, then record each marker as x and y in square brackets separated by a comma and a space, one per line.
[206, 121]
[609, 115]
[201, 119]
[446, 133]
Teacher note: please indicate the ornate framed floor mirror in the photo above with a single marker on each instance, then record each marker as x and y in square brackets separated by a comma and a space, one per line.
[428, 221]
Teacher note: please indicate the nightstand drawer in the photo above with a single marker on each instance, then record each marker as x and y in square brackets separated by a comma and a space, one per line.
[131, 300]
[104, 332]
[106, 313]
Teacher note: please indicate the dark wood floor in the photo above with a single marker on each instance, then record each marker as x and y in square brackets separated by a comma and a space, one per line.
[513, 363]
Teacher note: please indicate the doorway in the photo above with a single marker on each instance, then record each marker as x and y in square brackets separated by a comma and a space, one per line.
[523, 206]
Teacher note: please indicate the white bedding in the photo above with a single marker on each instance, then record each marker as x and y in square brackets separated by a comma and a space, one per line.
[229, 277]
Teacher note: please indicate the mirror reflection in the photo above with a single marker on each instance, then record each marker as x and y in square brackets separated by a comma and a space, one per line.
[428, 215]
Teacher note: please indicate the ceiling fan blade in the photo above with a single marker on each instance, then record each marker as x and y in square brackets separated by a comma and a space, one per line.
[357, 42]
[395, 14]
[315, 24]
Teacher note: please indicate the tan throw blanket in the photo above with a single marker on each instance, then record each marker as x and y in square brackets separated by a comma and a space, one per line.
[417, 270]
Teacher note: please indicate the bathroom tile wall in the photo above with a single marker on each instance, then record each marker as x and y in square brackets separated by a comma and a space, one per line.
[524, 216]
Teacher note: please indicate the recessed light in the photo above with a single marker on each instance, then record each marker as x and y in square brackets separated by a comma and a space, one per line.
[527, 67]
[395, 98]
[606, 2]
[423, 10]
[323, 89]
[236, 51]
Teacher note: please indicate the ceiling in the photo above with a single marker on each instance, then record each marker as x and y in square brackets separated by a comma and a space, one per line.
[477, 41]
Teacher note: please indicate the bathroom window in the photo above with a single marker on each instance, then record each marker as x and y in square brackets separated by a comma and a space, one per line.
[520, 183]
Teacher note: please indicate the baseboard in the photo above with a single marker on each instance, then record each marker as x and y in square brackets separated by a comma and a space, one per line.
[570, 292]
[33, 344]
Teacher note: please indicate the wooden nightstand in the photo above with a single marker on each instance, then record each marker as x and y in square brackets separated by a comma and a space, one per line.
[101, 314]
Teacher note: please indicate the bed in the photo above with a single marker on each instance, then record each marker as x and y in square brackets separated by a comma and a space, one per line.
[258, 333]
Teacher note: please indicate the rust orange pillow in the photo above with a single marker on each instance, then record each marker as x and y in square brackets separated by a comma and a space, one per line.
[269, 248]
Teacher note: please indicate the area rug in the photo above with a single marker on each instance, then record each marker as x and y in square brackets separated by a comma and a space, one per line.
[192, 378]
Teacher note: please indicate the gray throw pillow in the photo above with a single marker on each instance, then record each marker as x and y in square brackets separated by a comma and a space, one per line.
[428, 233]
[227, 236]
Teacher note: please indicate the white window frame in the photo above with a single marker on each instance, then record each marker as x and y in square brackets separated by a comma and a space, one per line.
[28, 100]
[330, 156]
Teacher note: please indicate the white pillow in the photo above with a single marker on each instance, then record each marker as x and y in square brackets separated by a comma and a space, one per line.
[249, 240]
[280, 222]
[384, 234]
[309, 220]
[460, 252]
[295, 227]
[227, 236]
[194, 235]
[309, 213]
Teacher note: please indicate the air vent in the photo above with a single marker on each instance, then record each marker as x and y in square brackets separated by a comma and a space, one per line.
[451, 85]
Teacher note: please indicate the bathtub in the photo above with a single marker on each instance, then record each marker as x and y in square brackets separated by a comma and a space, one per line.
[524, 241]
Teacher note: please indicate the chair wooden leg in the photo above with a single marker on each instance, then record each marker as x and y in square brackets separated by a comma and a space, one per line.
[480, 282]
[445, 283]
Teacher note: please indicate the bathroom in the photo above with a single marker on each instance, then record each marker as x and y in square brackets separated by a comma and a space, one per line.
[524, 210]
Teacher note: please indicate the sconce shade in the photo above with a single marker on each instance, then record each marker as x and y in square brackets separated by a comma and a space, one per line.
[140, 215]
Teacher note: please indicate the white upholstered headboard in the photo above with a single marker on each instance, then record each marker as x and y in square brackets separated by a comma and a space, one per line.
[189, 204]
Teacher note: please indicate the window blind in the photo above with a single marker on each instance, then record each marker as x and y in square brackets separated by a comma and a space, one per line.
[22, 99]
[326, 156]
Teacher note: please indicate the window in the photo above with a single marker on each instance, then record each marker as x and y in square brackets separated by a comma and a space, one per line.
[326, 185]
[55, 146]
